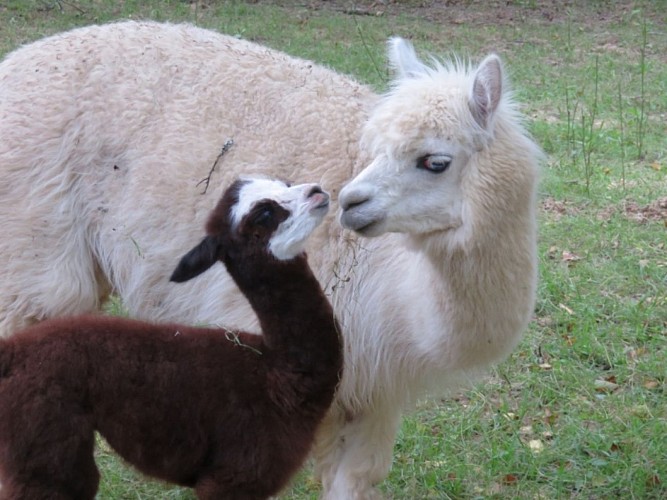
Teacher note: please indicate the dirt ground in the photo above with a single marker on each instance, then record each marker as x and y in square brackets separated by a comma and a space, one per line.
[485, 12]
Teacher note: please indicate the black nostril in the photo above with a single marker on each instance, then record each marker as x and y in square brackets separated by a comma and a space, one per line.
[315, 190]
[353, 201]
[354, 204]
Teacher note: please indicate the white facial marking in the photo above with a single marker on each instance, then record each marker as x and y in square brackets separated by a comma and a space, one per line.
[255, 190]
[307, 205]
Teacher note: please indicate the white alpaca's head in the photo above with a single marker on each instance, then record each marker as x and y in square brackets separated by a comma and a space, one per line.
[422, 137]
[257, 216]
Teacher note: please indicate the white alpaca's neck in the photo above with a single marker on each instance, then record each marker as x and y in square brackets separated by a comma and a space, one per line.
[481, 299]
[444, 305]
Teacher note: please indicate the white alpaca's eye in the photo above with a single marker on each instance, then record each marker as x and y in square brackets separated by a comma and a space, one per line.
[434, 163]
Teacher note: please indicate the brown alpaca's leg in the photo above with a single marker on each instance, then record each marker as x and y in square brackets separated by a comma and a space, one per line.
[212, 487]
[57, 465]
[26, 492]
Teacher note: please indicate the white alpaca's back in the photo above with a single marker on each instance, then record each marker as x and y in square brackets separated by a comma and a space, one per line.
[107, 132]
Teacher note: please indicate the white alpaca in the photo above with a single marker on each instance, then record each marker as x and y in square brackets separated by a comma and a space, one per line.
[107, 131]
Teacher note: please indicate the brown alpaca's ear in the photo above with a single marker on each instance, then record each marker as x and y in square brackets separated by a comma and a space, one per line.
[197, 260]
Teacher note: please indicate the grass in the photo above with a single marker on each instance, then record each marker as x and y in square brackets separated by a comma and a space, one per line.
[580, 408]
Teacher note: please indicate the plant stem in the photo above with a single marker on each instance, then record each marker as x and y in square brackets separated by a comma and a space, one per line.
[642, 97]
[620, 116]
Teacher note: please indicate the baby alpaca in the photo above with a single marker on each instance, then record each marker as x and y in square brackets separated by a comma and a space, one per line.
[230, 414]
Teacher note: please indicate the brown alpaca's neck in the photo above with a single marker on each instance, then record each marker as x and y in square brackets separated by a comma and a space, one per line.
[295, 316]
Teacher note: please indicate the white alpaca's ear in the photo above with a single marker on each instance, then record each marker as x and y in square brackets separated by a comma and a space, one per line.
[487, 89]
[403, 58]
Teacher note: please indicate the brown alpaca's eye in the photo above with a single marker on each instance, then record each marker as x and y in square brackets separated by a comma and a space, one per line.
[264, 216]
[434, 163]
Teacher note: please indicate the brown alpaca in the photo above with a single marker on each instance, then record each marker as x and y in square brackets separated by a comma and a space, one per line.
[230, 414]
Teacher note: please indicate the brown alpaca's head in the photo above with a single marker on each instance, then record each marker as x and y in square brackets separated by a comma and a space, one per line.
[257, 217]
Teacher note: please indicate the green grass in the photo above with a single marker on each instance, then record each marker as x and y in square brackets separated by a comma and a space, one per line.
[580, 409]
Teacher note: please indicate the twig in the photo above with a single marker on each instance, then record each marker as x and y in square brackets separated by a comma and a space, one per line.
[233, 337]
[59, 3]
[75, 7]
[136, 245]
[358, 12]
[226, 147]
[368, 51]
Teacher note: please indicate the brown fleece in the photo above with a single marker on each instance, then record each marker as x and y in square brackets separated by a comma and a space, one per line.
[230, 414]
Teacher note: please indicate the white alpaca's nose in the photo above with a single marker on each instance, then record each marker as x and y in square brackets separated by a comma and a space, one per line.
[360, 210]
[353, 198]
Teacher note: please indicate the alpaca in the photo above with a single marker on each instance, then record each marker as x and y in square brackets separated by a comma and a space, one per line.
[108, 132]
[230, 414]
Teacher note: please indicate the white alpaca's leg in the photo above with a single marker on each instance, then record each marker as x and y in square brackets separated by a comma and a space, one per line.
[355, 454]
[58, 276]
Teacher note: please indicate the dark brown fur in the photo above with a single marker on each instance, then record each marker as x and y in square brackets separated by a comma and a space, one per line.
[230, 414]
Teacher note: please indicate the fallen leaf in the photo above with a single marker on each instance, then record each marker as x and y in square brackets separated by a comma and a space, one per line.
[535, 445]
[641, 411]
[526, 430]
[568, 257]
[651, 384]
[605, 386]
[566, 309]
[653, 481]
[550, 417]
[552, 252]
[569, 339]
[545, 321]
[548, 435]
[634, 354]
[510, 479]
